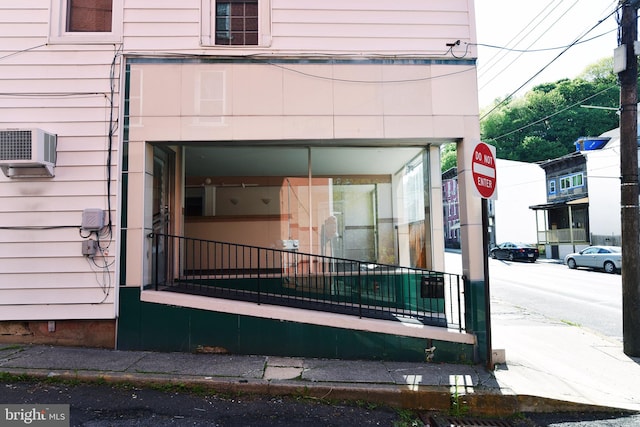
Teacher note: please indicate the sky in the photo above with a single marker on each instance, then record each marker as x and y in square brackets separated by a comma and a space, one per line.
[541, 24]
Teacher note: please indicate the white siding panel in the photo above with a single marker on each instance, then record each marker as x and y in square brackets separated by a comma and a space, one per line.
[175, 29]
[68, 249]
[53, 188]
[157, 15]
[162, 4]
[97, 86]
[24, 29]
[57, 115]
[53, 235]
[57, 312]
[386, 45]
[53, 72]
[56, 296]
[370, 26]
[357, 17]
[38, 13]
[45, 280]
[47, 56]
[163, 44]
[46, 265]
[10, 47]
[408, 5]
[25, 5]
[48, 204]
[26, 102]
[369, 31]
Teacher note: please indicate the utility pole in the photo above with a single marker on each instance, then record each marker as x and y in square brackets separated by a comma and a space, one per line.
[629, 182]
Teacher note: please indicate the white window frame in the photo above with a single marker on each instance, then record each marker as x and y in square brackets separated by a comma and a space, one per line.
[208, 23]
[567, 182]
[552, 186]
[58, 33]
[208, 78]
[135, 117]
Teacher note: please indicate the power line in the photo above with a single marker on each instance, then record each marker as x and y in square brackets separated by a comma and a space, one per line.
[546, 66]
[534, 41]
[541, 49]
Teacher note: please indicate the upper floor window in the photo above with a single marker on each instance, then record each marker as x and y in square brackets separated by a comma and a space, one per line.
[85, 21]
[571, 181]
[552, 187]
[92, 16]
[237, 22]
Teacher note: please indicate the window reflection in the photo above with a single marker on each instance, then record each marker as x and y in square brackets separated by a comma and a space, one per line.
[366, 204]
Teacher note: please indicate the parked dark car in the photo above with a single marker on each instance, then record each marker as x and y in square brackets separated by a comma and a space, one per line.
[606, 258]
[515, 251]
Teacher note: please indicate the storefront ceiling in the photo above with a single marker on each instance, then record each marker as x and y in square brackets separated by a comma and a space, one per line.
[292, 161]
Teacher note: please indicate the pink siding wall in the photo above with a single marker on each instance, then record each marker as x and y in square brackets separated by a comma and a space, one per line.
[64, 86]
[63, 89]
[311, 26]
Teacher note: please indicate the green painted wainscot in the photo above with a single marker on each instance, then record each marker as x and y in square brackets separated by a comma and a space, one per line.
[167, 328]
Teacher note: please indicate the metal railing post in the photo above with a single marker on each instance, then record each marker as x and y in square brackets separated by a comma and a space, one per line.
[359, 289]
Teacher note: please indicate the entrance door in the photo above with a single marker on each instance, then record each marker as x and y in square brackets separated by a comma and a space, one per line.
[163, 173]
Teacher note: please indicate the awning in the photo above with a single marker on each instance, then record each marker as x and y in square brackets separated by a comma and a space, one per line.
[582, 201]
[571, 201]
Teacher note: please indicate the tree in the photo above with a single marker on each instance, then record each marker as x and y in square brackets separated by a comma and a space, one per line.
[600, 72]
[448, 157]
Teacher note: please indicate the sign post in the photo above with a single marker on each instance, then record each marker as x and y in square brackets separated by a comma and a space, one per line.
[483, 168]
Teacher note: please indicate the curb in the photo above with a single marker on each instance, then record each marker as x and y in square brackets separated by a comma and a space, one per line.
[484, 403]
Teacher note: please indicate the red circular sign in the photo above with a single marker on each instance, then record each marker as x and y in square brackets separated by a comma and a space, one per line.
[483, 165]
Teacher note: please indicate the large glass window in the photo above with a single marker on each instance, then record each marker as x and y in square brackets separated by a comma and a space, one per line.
[366, 204]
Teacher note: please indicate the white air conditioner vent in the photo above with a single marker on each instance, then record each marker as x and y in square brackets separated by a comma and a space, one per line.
[27, 153]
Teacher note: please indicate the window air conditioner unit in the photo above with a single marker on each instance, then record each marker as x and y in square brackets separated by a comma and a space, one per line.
[27, 153]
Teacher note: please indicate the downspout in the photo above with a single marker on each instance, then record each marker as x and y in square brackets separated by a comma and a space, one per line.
[310, 199]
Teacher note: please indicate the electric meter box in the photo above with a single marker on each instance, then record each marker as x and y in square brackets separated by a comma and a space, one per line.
[92, 219]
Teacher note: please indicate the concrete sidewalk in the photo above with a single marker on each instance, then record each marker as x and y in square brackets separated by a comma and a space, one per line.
[552, 359]
[518, 386]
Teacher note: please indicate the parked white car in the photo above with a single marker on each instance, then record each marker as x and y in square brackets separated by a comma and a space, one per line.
[606, 258]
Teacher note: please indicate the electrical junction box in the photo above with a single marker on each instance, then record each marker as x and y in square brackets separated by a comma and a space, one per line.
[92, 219]
[620, 59]
[289, 245]
[89, 248]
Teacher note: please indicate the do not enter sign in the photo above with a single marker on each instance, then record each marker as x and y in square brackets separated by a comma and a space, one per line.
[483, 165]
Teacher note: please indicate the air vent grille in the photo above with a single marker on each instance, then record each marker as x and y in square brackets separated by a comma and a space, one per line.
[15, 145]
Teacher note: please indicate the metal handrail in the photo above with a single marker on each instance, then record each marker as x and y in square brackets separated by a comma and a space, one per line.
[295, 279]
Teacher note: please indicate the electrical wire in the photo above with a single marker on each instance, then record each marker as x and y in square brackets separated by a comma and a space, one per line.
[541, 49]
[22, 51]
[483, 72]
[500, 55]
[531, 44]
[504, 101]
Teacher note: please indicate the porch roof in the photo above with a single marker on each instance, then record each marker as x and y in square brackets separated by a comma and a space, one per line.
[575, 200]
